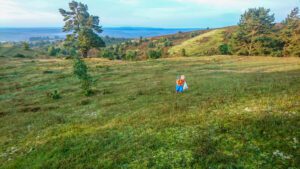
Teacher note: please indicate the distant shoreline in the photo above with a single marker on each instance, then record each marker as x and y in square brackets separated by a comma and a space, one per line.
[24, 34]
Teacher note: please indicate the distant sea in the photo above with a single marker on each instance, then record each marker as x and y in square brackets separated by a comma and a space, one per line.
[23, 34]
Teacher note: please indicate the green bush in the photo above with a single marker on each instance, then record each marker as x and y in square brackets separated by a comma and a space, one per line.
[151, 45]
[224, 49]
[168, 43]
[131, 55]
[154, 54]
[81, 72]
[26, 46]
[54, 95]
[183, 52]
[19, 56]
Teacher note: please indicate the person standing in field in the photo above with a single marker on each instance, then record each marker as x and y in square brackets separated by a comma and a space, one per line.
[181, 84]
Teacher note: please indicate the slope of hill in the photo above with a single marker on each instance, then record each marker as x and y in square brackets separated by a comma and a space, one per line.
[204, 44]
[240, 112]
[12, 51]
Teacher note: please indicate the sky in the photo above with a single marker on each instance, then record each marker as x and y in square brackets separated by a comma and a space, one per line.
[140, 13]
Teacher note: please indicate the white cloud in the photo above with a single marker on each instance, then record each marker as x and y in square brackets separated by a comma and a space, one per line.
[13, 12]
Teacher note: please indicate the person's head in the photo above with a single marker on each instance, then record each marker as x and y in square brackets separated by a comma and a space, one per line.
[182, 77]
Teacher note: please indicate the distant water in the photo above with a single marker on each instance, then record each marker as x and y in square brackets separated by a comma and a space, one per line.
[23, 34]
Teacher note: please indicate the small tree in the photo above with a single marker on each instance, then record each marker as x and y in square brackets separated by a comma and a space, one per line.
[52, 51]
[81, 72]
[151, 45]
[183, 52]
[154, 54]
[224, 49]
[26, 46]
[131, 55]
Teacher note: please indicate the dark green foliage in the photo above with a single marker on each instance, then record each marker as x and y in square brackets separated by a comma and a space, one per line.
[151, 45]
[106, 53]
[154, 54]
[131, 55]
[291, 34]
[54, 95]
[80, 70]
[85, 28]
[19, 56]
[52, 51]
[168, 43]
[224, 49]
[88, 39]
[255, 24]
[26, 46]
[183, 52]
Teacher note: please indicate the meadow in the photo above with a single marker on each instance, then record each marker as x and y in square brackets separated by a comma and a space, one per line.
[240, 112]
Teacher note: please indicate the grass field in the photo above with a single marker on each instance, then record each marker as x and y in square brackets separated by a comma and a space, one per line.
[240, 112]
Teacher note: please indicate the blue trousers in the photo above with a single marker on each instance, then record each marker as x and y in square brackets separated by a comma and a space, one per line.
[179, 88]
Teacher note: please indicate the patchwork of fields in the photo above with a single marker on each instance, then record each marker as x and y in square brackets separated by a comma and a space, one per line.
[240, 112]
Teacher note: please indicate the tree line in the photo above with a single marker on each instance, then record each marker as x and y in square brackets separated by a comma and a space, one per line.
[258, 34]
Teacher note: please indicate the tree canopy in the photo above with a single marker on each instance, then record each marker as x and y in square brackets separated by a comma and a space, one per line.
[84, 27]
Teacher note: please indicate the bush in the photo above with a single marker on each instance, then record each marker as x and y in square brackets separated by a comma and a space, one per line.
[54, 95]
[183, 52]
[25, 46]
[52, 51]
[19, 56]
[193, 34]
[151, 45]
[131, 55]
[168, 43]
[154, 54]
[106, 53]
[81, 72]
[224, 49]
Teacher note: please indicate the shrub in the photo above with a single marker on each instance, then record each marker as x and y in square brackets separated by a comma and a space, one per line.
[193, 34]
[25, 46]
[106, 53]
[52, 51]
[151, 45]
[131, 55]
[183, 52]
[154, 54]
[19, 56]
[54, 95]
[168, 43]
[224, 49]
[81, 72]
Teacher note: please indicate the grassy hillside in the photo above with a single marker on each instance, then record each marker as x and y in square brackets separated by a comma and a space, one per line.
[240, 112]
[204, 44]
[11, 51]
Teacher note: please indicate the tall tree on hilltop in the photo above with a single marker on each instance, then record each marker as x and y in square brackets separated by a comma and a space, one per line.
[254, 24]
[84, 27]
[291, 33]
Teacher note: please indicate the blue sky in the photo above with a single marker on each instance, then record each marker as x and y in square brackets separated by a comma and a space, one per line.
[141, 13]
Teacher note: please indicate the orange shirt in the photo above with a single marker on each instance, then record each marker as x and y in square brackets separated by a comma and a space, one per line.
[180, 82]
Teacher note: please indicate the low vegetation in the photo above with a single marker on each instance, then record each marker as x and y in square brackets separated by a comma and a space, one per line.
[240, 112]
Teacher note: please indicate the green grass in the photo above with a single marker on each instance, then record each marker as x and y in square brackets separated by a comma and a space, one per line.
[240, 112]
[11, 51]
[204, 44]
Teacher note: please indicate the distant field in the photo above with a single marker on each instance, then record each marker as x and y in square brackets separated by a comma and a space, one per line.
[240, 112]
